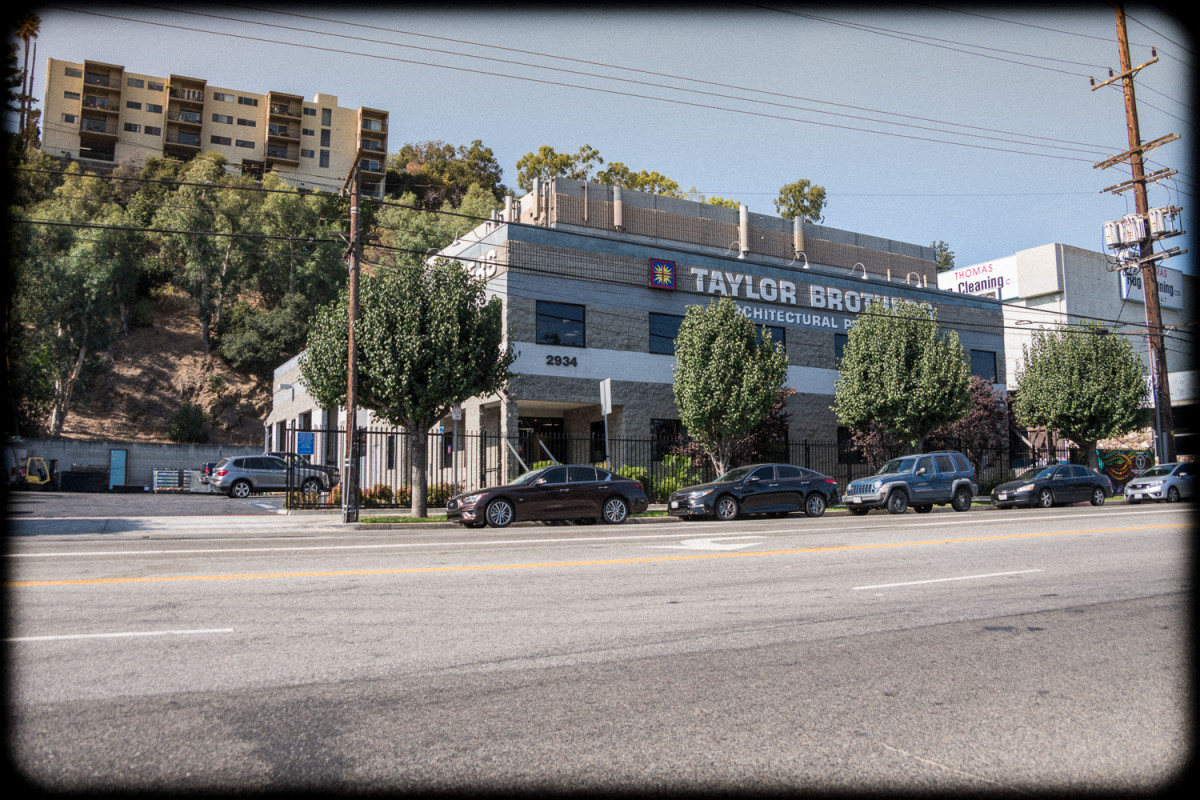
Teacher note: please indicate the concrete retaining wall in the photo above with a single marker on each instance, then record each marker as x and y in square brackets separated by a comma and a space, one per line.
[141, 458]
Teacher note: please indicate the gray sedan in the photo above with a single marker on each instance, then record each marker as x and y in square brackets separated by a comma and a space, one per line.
[1171, 482]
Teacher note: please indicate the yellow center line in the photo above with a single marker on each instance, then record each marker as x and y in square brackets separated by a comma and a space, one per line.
[588, 563]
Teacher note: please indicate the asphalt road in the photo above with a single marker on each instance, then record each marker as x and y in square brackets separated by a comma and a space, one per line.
[1017, 651]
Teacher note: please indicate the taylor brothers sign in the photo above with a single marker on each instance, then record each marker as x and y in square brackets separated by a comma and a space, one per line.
[778, 291]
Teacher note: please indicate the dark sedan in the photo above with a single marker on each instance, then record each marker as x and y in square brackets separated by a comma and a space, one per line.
[1057, 483]
[777, 489]
[570, 491]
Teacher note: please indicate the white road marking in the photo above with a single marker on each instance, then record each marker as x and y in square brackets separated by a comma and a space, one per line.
[943, 580]
[710, 543]
[116, 635]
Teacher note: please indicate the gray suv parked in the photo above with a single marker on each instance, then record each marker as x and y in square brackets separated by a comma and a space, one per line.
[242, 476]
[921, 481]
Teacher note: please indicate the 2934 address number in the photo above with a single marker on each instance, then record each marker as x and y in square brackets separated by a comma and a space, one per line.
[562, 361]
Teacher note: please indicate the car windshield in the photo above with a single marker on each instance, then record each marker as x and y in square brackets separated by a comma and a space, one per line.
[734, 475]
[528, 477]
[1036, 473]
[897, 465]
[1155, 472]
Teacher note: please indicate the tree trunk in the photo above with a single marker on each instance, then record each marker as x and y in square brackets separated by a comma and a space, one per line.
[419, 447]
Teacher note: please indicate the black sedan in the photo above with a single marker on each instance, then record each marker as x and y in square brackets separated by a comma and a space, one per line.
[570, 491]
[1057, 483]
[776, 489]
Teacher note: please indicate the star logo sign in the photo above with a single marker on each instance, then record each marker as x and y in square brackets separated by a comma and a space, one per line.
[662, 274]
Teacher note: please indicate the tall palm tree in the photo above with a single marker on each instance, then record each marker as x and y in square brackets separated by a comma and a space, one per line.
[27, 30]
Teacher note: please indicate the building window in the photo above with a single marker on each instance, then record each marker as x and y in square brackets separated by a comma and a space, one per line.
[308, 153]
[70, 119]
[560, 324]
[983, 364]
[224, 97]
[154, 108]
[248, 101]
[73, 72]
[839, 347]
[324, 161]
[71, 95]
[245, 143]
[324, 138]
[224, 119]
[155, 86]
[136, 83]
[132, 127]
[774, 333]
[310, 112]
[663, 330]
[153, 130]
[225, 140]
[133, 105]
[326, 116]
[247, 123]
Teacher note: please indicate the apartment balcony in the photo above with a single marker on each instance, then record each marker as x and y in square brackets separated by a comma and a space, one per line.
[183, 117]
[285, 133]
[283, 155]
[103, 104]
[97, 127]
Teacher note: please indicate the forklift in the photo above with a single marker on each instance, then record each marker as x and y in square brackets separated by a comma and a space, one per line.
[37, 473]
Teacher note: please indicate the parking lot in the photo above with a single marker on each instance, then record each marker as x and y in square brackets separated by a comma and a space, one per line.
[35, 504]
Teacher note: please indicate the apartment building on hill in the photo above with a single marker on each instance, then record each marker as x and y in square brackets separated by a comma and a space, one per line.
[102, 113]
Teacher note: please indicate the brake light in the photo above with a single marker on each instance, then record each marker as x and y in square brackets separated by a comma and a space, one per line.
[221, 473]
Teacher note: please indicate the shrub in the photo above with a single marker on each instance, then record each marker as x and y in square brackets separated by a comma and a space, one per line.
[187, 424]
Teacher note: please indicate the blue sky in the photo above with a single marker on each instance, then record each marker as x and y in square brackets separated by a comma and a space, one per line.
[973, 125]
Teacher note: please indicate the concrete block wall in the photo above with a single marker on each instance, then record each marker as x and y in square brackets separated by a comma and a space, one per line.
[141, 458]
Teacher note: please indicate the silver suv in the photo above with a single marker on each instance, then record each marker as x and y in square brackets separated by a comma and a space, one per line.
[921, 481]
[242, 476]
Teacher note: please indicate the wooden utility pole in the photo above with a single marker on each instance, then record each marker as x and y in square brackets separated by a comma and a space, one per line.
[1165, 425]
[350, 448]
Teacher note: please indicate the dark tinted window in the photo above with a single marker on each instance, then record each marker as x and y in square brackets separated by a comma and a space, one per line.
[556, 475]
[560, 324]
[924, 464]
[789, 472]
[764, 473]
[945, 464]
[1184, 470]
[581, 474]
[663, 330]
[983, 364]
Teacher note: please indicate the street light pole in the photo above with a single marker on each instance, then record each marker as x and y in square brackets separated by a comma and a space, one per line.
[350, 464]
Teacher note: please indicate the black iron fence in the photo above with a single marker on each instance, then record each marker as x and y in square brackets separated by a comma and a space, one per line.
[460, 461]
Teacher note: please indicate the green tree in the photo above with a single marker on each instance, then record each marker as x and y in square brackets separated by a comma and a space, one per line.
[801, 199]
[1082, 381]
[901, 374]
[548, 163]
[943, 256]
[436, 172]
[617, 174]
[727, 377]
[428, 338]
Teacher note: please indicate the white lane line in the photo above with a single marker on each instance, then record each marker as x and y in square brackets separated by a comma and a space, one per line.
[117, 635]
[943, 580]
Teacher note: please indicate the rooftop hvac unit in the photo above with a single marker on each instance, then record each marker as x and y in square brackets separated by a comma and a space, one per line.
[1134, 227]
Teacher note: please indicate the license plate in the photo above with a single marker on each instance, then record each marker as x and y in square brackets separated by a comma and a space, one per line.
[855, 499]
[1002, 496]
[675, 504]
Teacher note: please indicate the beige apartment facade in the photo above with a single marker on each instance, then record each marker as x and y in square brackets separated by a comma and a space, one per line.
[103, 114]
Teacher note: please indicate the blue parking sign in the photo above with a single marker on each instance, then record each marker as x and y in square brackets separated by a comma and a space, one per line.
[305, 443]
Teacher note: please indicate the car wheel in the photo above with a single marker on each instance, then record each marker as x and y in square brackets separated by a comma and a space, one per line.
[1173, 494]
[727, 508]
[858, 511]
[1097, 496]
[1045, 498]
[240, 489]
[897, 502]
[311, 486]
[616, 510]
[961, 500]
[814, 505]
[500, 513]
[923, 508]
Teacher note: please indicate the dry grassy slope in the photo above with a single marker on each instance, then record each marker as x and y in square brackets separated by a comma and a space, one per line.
[155, 369]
